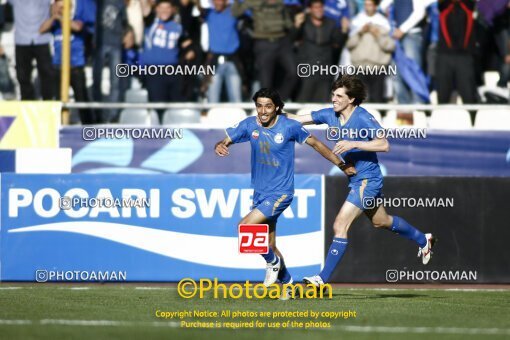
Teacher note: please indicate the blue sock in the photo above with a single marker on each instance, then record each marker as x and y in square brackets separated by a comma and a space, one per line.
[401, 227]
[335, 253]
[284, 275]
[270, 257]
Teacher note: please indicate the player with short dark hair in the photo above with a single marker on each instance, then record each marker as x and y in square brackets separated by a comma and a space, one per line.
[354, 88]
[271, 94]
[272, 137]
[348, 93]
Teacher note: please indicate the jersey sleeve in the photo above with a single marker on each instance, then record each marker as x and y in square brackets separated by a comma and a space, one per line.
[299, 133]
[370, 123]
[238, 133]
[319, 117]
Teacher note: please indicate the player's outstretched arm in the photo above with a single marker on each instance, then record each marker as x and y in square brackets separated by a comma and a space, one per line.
[348, 169]
[221, 148]
[375, 145]
[303, 119]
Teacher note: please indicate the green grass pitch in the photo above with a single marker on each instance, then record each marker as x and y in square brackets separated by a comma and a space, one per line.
[104, 311]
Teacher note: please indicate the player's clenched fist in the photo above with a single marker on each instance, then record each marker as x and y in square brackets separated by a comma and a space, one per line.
[221, 149]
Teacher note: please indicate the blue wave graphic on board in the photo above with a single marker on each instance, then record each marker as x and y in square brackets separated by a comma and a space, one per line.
[173, 157]
[176, 155]
[43, 250]
[207, 250]
[100, 151]
[126, 170]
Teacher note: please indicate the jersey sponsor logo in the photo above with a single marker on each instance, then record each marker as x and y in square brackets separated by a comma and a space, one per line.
[278, 138]
[255, 134]
[253, 238]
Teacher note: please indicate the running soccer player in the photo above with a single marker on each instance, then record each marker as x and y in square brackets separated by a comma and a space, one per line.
[272, 137]
[348, 93]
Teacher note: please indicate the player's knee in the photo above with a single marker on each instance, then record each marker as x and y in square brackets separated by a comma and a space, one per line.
[378, 224]
[381, 223]
[340, 229]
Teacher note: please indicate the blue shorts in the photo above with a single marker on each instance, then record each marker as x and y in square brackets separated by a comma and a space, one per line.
[364, 193]
[271, 205]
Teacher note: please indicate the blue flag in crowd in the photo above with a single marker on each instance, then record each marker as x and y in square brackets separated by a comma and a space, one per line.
[411, 73]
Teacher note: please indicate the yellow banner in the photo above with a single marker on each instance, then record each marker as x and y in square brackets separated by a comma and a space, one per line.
[29, 124]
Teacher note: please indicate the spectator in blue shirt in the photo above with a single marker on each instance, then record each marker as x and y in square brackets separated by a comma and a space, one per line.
[164, 40]
[88, 8]
[223, 46]
[78, 83]
[338, 10]
[30, 45]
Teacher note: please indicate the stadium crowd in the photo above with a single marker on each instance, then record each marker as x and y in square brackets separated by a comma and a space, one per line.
[441, 45]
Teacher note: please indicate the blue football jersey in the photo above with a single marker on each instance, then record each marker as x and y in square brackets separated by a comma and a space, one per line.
[365, 162]
[161, 44]
[272, 152]
[77, 42]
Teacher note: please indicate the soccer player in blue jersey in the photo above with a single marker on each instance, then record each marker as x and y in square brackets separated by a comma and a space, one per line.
[347, 94]
[272, 137]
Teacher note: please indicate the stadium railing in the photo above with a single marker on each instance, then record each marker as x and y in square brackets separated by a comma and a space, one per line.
[288, 106]
[433, 114]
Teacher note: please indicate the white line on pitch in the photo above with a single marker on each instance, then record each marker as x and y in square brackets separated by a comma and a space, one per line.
[7, 288]
[15, 322]
[355, 329]
[335, 288]
[428, 330]
[433, 289]
[154, 288]
[389, 289]
[381, 289]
